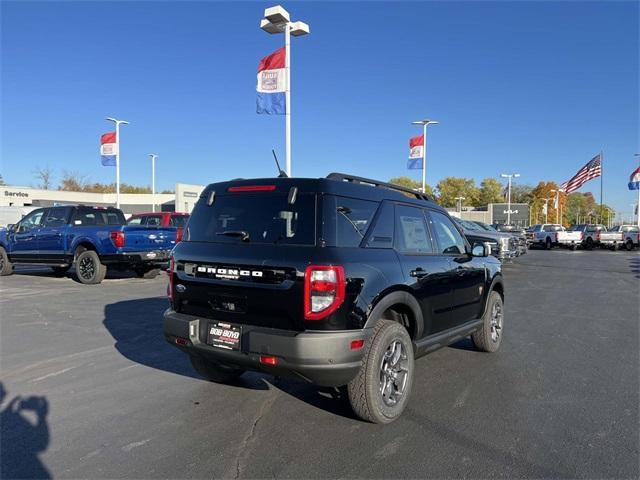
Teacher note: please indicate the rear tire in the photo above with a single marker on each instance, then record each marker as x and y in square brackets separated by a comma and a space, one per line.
[6, 267]
[380, 391]
[214, 372]
[489, 337]
[629, 245]
[89, 270]
[60, 271]
[574, 247]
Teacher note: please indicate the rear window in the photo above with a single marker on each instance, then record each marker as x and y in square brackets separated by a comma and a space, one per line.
[254, 218]
[178, 221]
[90, 217]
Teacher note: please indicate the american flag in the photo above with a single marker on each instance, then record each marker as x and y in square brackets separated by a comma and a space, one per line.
[591, 170]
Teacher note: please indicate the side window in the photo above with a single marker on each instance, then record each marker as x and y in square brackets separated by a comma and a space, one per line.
[382, 234]
[56, 217]
[412, 235]
[135, 221]
[353, 218]
[449, 238]
[85, 217]
[32, 220]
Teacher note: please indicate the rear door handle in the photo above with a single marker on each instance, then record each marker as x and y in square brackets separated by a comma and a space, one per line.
[418, 273]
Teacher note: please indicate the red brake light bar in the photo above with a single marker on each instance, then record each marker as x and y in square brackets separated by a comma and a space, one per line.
[252, 188]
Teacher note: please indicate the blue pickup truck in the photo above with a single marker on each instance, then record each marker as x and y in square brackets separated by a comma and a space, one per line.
[92, 238]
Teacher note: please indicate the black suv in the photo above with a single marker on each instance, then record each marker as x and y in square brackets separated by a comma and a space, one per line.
[335, 281]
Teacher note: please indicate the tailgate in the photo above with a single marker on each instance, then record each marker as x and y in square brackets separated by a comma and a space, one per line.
[225, 286]
[569, 236]
[143, 239]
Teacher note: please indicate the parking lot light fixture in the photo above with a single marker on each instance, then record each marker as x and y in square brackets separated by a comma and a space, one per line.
[425, 123]
[509, 176]
[118, 123]
[153, 157]
[277, 20]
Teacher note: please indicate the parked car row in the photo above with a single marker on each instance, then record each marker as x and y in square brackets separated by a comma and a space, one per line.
[587, 236]
[91, 238]
[504, 245]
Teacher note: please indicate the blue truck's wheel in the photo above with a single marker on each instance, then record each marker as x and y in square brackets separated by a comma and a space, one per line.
[89, 270]
[6, 268]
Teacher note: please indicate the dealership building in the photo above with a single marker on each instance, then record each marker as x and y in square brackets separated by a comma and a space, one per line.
[182, 200]
[495, 213]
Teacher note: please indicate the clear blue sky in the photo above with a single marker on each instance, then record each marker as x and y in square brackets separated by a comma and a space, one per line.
[538, 88]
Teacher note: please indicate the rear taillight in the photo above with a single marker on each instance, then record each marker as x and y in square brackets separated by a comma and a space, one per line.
[170, 284]
[179, 233]
[117, 238]
[324, 290]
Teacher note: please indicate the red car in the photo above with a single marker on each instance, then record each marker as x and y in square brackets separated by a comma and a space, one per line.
[161, 219]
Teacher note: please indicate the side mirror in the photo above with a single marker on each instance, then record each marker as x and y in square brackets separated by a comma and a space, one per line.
[481, 250]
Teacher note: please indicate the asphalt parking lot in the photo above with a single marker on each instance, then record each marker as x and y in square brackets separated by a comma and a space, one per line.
[101, 395]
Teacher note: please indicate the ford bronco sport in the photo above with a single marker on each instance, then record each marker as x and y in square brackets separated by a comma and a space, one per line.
[334, 281]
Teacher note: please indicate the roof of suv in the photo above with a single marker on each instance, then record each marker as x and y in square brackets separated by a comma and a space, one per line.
[336, 184]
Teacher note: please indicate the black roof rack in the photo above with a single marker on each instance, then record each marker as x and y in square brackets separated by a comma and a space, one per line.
[343, 177]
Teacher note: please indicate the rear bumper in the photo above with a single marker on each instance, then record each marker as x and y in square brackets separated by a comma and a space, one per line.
[152, 257]
[321, 358]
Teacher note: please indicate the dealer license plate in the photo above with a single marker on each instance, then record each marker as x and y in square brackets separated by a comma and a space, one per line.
[224, 335]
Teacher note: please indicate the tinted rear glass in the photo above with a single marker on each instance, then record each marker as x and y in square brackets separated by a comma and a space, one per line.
[263, 217]
[178, 221]
[93, 216]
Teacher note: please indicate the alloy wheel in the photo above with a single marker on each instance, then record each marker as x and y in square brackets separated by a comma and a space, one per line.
[394, 373]
[87, 268]
[496, 321]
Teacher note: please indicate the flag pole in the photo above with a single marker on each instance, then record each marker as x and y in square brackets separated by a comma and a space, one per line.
[118, 165]
[601, 177]
[287, 93]
[424, 158]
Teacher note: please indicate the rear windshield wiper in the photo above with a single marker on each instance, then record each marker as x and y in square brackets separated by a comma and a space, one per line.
[242, 234]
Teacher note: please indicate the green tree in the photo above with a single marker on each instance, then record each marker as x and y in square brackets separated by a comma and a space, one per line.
[2, 180]
[490, 191]
[521, 193]
[73, 182]
[409, 182]
[451, 187]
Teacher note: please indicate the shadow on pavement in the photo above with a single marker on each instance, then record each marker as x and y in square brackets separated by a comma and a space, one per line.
[43, 271]
[24, 433]
[634, 265]
[136, 327]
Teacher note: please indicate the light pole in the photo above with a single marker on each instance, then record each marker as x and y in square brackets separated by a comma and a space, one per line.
[276, 20]
[509, 176]
[153, 157]
[546, 209]
[425, 123]
[459, 203]
[558, 205]
[118, 123]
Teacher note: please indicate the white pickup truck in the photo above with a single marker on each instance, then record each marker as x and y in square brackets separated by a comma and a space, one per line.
[597, 235]
[630, 235]
[551, 235]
